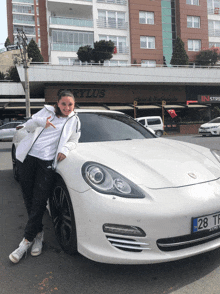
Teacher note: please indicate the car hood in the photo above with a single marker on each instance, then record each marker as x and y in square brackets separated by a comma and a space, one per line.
[208, 125]
[155, 163]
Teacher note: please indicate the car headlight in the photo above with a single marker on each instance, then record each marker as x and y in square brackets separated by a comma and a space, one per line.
[107, 181]
[216, 153]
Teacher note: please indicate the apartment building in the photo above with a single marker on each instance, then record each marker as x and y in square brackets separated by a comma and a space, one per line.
[144, 31]
[61, 27]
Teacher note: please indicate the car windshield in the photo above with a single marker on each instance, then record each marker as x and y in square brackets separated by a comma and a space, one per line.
[97, 127]
[215, 120]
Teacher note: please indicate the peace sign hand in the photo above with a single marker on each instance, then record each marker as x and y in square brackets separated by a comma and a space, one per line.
[48, 123]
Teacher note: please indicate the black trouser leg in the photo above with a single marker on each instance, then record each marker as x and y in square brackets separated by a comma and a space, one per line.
[36, 199]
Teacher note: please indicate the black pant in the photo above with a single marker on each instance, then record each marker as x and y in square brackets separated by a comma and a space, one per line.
[36, 178]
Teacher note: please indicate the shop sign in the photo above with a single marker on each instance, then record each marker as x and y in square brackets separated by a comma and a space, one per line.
[208, 99]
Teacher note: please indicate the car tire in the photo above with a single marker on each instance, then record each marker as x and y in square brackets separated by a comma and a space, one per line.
[159, 133]
[14, 165]
[63, 218]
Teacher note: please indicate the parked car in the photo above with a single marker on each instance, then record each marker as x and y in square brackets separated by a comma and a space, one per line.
[211, 128]
[7, 130]
[153, 122]
[125, 196]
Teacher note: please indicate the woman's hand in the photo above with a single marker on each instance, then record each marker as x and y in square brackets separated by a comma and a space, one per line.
[48, 123]
[60, 157]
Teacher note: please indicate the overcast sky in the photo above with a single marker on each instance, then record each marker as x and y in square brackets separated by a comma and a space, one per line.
[3, 23]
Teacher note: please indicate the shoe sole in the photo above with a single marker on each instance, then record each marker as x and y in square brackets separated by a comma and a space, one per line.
[11, 257]
[36, 253]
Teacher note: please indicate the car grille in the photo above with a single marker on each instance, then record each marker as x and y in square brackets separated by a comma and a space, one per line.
[186, 241]
[128, 244]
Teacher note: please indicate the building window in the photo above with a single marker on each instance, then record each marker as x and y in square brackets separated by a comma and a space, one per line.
[115, 63]
[211, 44]
[146, 17]
[38, 31]
[38, 21]
[24, 19]
[111, 19]
[194, 45]
[36, 2]
[192, 2]
[147, 42]
[214, 28]
[39, 43]
[193, 22]
[37, 9]
[119, 41]
[213, 6]
[23, 8]
[70, 40]
[148, 63]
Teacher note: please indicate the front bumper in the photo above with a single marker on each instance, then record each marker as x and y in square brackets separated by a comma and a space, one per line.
[167, 214]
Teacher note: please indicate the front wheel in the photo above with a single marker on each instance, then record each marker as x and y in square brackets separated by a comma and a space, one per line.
[63, 218]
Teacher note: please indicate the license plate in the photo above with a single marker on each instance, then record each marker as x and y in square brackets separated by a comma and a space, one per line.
[209, 222]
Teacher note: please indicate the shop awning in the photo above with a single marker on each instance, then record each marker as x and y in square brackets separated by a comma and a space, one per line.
[174, 106]
[148, 107]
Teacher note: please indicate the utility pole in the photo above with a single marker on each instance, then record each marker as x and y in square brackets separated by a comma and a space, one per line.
[22, 44]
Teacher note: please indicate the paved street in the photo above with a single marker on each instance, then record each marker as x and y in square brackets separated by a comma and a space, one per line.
[56, 272]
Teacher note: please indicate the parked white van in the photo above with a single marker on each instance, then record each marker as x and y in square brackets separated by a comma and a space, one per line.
[153, 122]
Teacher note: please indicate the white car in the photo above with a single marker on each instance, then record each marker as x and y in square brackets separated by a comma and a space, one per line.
[8, 130]
[210, 128]
[153, 122]
[125, 196]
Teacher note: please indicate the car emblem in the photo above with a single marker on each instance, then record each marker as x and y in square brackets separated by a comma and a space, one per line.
[192, 175]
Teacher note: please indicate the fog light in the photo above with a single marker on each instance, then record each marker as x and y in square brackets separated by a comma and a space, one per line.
[123, 230]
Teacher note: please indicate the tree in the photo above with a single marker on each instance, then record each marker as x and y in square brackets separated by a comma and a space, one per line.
[103, 50]
[2, 76]
[12, 74]
[179, 56]
[85, 53]
[207, 57]
[34, 52]
[7, 42]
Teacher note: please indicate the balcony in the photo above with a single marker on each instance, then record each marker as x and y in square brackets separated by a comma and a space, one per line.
[23, 1]
[112, 24]
[215, 10]
[56, 20]
[214, 33]
[119, 2]
[122, 49]
[64, 47]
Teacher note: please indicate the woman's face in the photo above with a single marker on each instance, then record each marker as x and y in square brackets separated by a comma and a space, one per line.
[66, 105]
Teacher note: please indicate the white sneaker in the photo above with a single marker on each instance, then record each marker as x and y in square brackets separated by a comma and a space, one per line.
[38, 244]
[16, 255]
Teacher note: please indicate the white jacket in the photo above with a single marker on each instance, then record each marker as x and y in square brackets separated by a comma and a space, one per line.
[68, 138]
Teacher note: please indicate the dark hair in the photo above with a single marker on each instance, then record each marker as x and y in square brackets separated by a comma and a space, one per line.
[62, 94]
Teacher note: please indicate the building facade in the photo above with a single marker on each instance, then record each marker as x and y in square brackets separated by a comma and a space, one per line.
[144, 31]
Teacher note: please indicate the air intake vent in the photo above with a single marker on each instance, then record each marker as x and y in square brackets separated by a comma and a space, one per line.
[128, 244]
[186, 241]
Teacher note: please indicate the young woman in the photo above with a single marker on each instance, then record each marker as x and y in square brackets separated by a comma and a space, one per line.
[52, 133]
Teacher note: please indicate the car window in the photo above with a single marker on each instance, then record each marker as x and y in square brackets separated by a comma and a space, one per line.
[215, 120]
[7, 126]
[153, 121]
[142, 121]
[97, 127]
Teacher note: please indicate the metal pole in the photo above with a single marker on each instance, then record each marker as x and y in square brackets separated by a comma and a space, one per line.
[22, 40]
